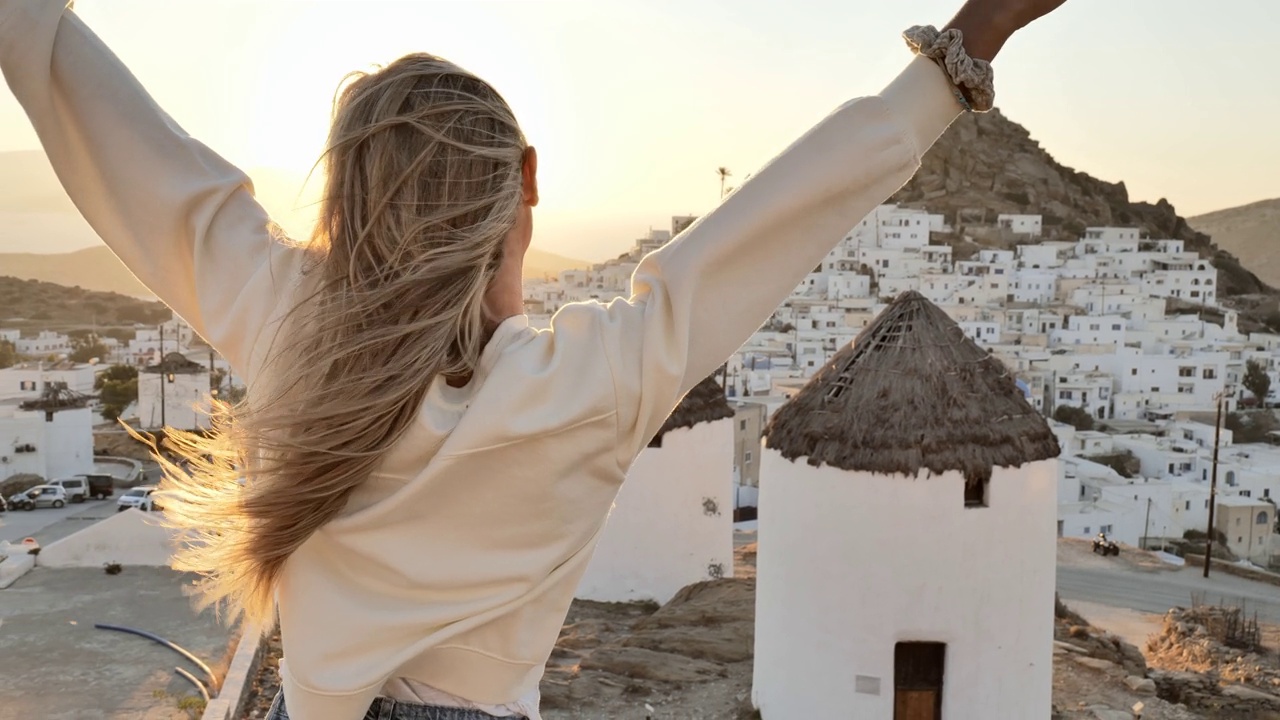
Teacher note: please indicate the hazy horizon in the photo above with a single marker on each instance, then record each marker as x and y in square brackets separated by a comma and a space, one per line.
[633, 105]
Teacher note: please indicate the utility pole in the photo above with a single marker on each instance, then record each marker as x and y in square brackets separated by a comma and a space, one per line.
[213, 391]
[1213, 487]
[1146, 527]
[162, 377]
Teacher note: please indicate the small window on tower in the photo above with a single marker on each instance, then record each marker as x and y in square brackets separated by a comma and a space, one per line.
[975, 492]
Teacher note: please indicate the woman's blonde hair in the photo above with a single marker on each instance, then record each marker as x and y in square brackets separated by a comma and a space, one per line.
[424, 183]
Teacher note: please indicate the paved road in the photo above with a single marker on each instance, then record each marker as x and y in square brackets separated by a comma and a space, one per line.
[49, 524]
[1157, 592]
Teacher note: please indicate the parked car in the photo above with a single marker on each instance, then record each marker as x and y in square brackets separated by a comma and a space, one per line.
[139, 497]
[39, 496]
[101, 486]
[77, 488]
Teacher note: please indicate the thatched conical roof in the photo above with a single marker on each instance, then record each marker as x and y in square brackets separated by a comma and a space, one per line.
[56, 396]
[176, 363]
[704, 403]
[912, 393]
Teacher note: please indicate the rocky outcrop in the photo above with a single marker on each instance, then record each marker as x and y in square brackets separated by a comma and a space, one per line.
[986, 165]
[1198, 669]
[615, 652]
[1091, 646]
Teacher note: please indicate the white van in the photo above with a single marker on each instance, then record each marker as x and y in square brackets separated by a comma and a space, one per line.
[77, 488]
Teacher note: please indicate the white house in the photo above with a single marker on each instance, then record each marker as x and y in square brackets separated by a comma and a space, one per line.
[672, 522]
[51, 436]
[27, 380]
[1030, 225]
[1247, 525]
[44, 344]
[174, 394]
[911, 435]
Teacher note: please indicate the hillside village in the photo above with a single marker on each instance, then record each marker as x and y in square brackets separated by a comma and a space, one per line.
[1121, 350]
[55, 410]
[1120, 333]
[1122, 346]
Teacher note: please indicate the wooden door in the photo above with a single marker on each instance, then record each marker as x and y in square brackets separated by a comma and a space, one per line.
[918, 669]
[916, 704]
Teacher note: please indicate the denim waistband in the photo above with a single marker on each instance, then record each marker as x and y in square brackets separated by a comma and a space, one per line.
[384, 708]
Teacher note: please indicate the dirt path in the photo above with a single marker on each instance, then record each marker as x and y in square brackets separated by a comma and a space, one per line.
[1077, 553]
[1132, 626]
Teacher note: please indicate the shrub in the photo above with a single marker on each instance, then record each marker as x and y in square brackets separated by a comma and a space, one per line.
[18, 483]
[1078, 418]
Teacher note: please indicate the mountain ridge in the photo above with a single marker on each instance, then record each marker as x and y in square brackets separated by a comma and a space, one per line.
[1251, 232]
[97, 268]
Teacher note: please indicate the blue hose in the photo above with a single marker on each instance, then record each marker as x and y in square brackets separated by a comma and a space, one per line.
[213, 681]
[204, 691]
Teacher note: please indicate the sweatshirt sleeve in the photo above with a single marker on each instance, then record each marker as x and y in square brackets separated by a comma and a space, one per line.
[698, 298]
[181, 218]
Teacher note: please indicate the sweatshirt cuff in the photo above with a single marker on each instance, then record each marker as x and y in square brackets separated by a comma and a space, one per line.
[922, 100]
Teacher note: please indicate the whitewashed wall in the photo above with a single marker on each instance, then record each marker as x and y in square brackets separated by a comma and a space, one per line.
[68, 443]
[672, 523]
[850, 564]
[63, 446]
[186, 401]
[1085, 520]
[18, 428]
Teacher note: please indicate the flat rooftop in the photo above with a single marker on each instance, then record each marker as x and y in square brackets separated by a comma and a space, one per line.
[54, 665]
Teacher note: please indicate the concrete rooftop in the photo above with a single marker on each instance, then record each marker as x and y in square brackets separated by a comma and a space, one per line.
[54, 665]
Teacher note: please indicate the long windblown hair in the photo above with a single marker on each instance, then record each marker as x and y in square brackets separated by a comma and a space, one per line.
[423, 185]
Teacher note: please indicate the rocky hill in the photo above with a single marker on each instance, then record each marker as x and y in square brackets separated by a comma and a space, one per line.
[986, 164]
[1250, 232]
[35, 305]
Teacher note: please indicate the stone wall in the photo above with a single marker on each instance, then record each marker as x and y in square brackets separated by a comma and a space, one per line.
[1197, 668]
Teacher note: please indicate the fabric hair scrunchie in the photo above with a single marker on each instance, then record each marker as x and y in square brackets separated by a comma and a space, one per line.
[974, 80]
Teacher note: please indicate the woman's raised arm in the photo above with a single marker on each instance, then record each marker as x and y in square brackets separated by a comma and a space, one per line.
[697, 299]
[180, 217]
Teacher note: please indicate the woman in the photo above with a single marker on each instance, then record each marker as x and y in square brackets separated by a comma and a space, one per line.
[427, 475]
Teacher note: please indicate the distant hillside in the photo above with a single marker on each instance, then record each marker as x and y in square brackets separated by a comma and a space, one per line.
[1250, 232]
[36, 215]
[986, 164]
[45, 304]
[538, 263]
[94, 268]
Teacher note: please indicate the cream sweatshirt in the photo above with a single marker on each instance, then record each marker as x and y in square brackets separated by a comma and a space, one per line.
[456, 562]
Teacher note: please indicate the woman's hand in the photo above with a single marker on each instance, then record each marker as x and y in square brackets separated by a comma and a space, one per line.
[988, 24]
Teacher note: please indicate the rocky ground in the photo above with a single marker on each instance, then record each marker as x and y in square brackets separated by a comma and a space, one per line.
[691, 659]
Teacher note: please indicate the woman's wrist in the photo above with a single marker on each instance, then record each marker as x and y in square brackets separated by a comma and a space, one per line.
[985, 28]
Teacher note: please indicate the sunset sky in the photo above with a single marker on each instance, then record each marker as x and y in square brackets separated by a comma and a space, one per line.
[633, 105]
